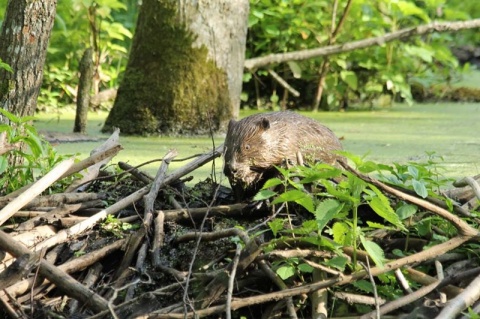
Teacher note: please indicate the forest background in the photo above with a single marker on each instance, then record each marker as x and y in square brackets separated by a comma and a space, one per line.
[375, 76]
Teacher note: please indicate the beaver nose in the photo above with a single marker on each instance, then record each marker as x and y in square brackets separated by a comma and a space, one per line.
[229, 170]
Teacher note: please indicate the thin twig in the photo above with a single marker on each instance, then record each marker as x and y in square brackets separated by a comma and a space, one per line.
[231, 282]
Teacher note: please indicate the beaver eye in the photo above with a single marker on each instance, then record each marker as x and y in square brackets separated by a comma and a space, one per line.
[247, 147]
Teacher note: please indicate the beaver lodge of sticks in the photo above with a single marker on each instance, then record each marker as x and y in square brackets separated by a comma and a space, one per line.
[318, 240]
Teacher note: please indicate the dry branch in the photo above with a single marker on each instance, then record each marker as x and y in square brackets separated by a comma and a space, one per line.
[255, 63]
[62, 280]
[56, 199]
[72, 266]
[18, 270]
[283, 83]
[184, 214]
[455, 306]
[106, 152]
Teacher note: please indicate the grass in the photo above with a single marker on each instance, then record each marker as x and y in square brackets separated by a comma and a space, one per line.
[397, 134]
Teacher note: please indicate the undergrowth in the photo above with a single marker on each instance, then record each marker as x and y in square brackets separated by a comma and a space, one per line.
[30, 156]
[343, 210]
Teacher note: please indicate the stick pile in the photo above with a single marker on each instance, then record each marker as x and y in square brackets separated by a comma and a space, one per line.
[61, 259]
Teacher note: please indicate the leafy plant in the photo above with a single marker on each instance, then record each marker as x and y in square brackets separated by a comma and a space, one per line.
[5, 66]
[104, 25]
[377, 75]
[116, 227]
[333, 207]
[31, 157]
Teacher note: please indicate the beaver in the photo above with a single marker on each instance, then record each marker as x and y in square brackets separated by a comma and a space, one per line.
[257, 143]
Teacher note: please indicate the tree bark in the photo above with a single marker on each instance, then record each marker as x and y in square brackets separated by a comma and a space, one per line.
[185, 68]
[84, 87]
[23, 45]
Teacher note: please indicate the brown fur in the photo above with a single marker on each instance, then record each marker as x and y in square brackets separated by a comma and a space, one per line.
[256, 143]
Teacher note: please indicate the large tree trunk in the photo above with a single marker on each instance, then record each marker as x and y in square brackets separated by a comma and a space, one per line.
[185, 69]
[23, 45]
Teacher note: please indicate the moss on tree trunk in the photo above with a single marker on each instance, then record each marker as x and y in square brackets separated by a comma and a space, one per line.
[170, 85]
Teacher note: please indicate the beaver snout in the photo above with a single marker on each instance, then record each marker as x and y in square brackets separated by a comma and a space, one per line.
[230, 167]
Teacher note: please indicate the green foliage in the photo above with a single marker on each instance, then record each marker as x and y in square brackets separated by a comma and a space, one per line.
[116, 227]
[375, 75]
[104, 25]
[332, 210]
[5, 66]
[471, 314]
[31, 157]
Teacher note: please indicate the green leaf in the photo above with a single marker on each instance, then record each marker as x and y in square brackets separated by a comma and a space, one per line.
[276, 226]
[413, 171]
[252, 21]
[257, 13]
[419, 188]
[368, 167]
[375, 225]
[286, 272]
[373, 87]
[3, 164]
[363, 285]
[305, 268]
[423, 53]
[374, 251]
[424, 227]
[319, 172]
[386, 212]
[350, 78]
[272, 30]
[342, 195]
[272, 183]
[298, 197]
[341, 63]
[338, 262]
[326, 211]
[381, 206]
[356, 159]
[409, 9]
[264, 194]
[5, 128]
[356, 185]
[406, 211]
[342, 234]
[35, 144]
[5, 66]
[11, 117]
[244, 96]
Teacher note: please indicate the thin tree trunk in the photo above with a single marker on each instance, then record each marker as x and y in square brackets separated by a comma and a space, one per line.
[23, 45]
[84, 87]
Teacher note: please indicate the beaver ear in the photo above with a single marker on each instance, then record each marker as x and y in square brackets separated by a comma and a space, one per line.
[231, 125]
[264, 123]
